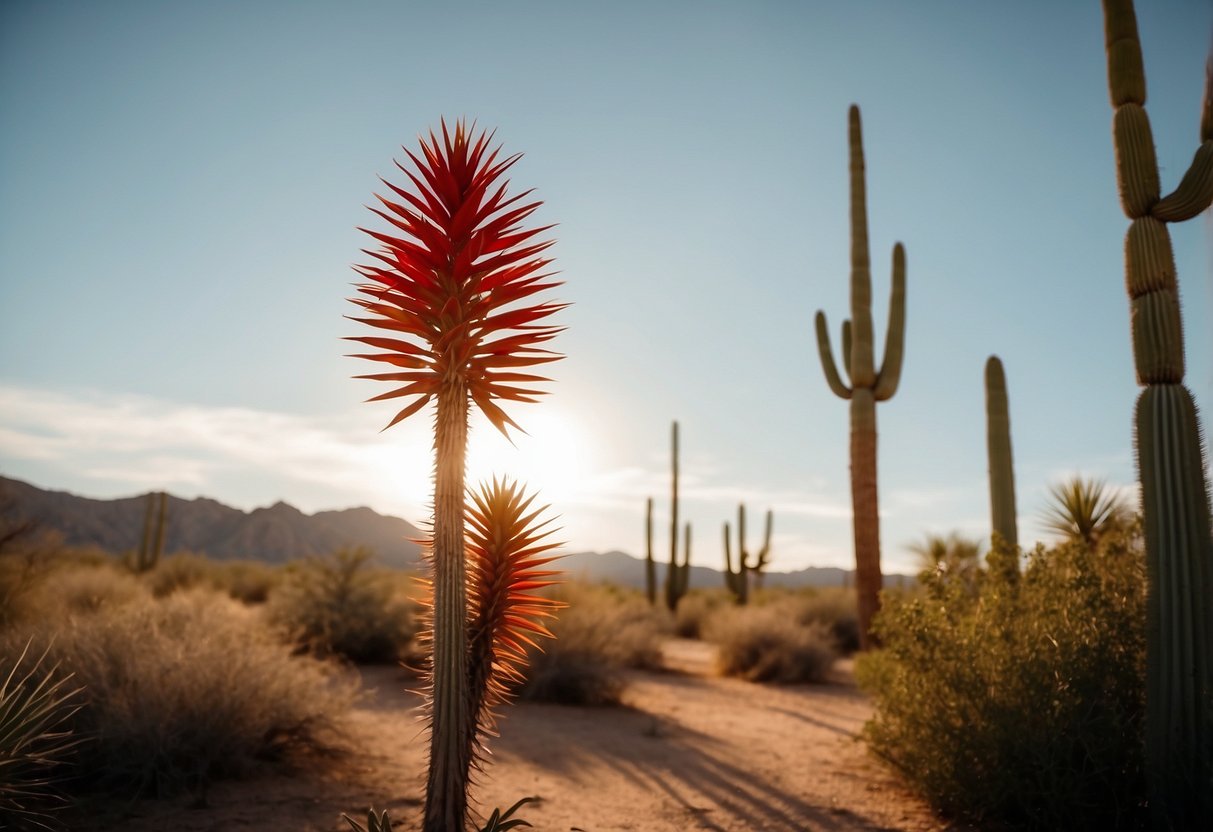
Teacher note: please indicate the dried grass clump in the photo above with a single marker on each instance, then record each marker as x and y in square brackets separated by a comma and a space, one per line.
[768, 644]
[185, 689]
[180, 572]
[600, 634]
[86, 589]
[694, 611]
[835, 608]
[339, 606]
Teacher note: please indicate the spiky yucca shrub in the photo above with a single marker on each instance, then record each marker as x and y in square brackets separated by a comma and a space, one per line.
[36, 706]
[1085, 510]
[445, 290]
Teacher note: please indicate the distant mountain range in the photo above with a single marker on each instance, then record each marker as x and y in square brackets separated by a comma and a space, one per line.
[282, 532]
[207, 527]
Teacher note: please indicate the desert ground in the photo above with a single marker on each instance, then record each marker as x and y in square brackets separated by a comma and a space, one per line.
[689, 750]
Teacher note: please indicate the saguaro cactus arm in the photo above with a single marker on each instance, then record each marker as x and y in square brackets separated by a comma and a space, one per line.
[894, 344]
[826, 352]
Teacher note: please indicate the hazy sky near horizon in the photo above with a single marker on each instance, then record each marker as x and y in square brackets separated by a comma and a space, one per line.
[180, 185]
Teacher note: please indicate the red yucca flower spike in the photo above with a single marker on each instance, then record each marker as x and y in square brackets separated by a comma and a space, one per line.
[507, 551]
[443, 286]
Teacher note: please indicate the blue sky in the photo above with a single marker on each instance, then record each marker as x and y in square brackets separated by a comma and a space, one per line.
[182, 185]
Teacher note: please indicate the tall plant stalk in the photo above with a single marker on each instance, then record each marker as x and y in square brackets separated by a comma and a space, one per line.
[445, 290]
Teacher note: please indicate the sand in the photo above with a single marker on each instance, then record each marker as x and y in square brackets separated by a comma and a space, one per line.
[688, 751]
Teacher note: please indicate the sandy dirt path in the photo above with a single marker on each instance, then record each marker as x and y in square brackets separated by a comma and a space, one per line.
[688, 751]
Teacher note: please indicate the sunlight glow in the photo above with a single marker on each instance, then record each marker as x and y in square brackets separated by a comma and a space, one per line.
[554, 458]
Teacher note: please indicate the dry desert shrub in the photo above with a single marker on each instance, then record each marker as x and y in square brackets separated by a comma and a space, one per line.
[769, 644]
[695, 609]
[86, 589]
[185, 689]
[600, 633]
[339, 606]
[836, 609]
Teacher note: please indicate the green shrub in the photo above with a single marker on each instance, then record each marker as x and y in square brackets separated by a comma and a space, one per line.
[1018, 699]
[768, 644]
[186, 688]
[36, 703]
[598, 635]
[338, 606]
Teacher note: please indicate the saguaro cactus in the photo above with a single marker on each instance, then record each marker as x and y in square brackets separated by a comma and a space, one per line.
[151, 544]
[677, 574]
[1175, 496]
[650, 566]
[738, 582]
[868, 385]
[998, 449]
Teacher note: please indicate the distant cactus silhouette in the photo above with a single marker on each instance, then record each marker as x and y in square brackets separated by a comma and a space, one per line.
[650, 566]
[1170, 458]
[868, 384]
[677, 576]
[151, 544]
[1003, 518]
[738, 582]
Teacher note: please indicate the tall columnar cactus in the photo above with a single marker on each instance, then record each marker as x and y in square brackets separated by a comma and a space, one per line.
[151, 544]
[868, 384]
[678, 579]
[455, 293]
[1170, 465]
[650, 566]
[738, 582]
[998, 449]
[677, 574]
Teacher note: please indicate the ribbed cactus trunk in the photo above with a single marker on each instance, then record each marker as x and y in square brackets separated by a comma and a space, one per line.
[451, 737]
[865, 510]
[1175, 497]
[1003, 518]
[675, 584]
[867, 384]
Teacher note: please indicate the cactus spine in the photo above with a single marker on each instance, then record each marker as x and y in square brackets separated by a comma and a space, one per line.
[1175, 496]
[151, 544]
[868, 385]
[738, 582]
[998, 449]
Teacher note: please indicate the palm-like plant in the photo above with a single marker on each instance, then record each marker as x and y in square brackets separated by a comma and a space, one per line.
[952, 555]
[446, 290]
[1084, 509]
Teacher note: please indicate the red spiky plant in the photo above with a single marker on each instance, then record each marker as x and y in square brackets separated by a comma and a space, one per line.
[450, 290]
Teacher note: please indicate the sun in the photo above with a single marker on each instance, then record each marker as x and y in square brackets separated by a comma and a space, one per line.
[553, 458]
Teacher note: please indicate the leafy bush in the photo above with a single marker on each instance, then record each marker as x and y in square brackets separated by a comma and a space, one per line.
[187, 688]
[35, 704]
[1018, 699]
[338, 606]
[768, 644]
[598, 635]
